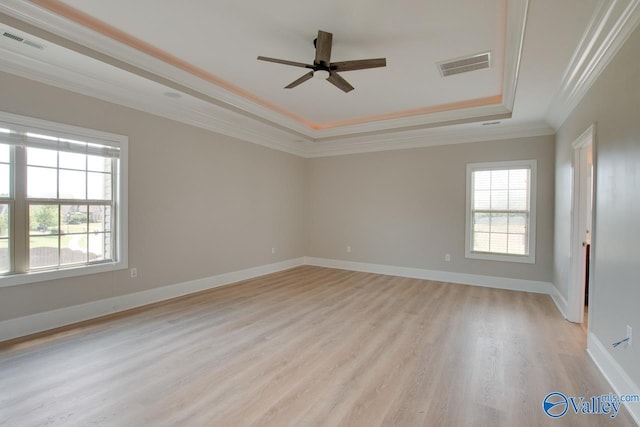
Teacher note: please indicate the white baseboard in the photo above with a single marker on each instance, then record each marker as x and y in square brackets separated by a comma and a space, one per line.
[21, 326]
[440, 276]
[613, 373]
[559, 300]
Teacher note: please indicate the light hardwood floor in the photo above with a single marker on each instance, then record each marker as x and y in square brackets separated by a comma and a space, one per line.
[309, 347]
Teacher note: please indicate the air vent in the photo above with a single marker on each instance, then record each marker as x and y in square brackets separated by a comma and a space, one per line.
[32, 44]
[466, 64]
[22, 40]
[12, 36]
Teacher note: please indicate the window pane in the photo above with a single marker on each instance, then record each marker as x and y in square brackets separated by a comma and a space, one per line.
[99, 248]
[43, 219]
[482, 180]
[5, 260]
[99, 218]
[99, 186]
[500, 200]
[498, 243]
[482, 200]
[5, 153]
[518, 179]
[481, 242]
[98, 164]
[517, 200]
[73, 185]
[42, 183]
[517, 244]
[5, 180]
[499, 223]
[482, 222]
[74, 219]
[73, 161]
[518, 223]
[4, 220]
[43, 251]
[73, 249]
[500, 180]
[39, 157]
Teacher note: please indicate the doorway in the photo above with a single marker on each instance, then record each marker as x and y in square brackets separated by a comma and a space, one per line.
[582, 242]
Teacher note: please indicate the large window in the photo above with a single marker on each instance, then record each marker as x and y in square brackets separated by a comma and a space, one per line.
[501, 211]
[62, 200]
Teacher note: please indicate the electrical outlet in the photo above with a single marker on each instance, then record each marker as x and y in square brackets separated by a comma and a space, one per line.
[134, 273]
[447, 257]
[348, 249]
[629, 335]
[273, 250]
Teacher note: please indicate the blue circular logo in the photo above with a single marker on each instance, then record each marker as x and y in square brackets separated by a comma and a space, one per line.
[555, 404]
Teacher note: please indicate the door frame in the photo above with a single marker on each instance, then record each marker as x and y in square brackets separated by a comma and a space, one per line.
[578, 223]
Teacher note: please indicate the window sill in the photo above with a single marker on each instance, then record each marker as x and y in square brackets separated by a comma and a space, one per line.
[523, 259]
[63, 273]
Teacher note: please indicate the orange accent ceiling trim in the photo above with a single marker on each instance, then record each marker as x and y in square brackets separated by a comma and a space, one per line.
[110, 31]
[490, 100]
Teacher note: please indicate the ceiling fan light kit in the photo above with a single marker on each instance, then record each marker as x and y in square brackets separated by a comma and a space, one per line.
[323, 68]
[321, 74]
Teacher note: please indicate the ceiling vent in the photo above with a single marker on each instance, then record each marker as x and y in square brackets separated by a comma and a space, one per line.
[21, 40]
[465, 64]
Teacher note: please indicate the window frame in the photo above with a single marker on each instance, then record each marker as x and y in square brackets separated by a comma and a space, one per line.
[25, 124]
[531, 229]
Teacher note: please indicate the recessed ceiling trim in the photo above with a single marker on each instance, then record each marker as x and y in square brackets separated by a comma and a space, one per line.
[113, 33]
[49, 21]
[48, 14]
[490, 100]
[427, 138]
[439, 118]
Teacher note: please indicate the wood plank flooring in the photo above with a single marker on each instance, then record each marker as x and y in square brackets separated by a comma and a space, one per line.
[309, 347]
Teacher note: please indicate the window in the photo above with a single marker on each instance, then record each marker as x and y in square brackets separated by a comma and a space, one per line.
[62, 200]
[500, 223]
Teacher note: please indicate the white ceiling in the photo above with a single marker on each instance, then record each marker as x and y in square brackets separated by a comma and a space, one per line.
[206, 51]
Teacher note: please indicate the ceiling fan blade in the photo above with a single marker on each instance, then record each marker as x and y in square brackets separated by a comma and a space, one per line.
[339, 82]
[323, 47]
[360, 64]
[284, 61]
[300, 80]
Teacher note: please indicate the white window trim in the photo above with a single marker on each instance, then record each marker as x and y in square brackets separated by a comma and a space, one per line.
[527, 259]
[23, 123]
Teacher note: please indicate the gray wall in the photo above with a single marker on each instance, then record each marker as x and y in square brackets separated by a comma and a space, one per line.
[407, 207]
[200, 204]
[613, 103]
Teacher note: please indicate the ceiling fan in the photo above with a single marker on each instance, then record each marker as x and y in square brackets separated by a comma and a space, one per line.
[323, 67]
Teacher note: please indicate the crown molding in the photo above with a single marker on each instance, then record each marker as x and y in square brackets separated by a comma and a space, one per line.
[219, 110]
[50, 26]
[517, 13]
[610, 26]
[221, 121]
